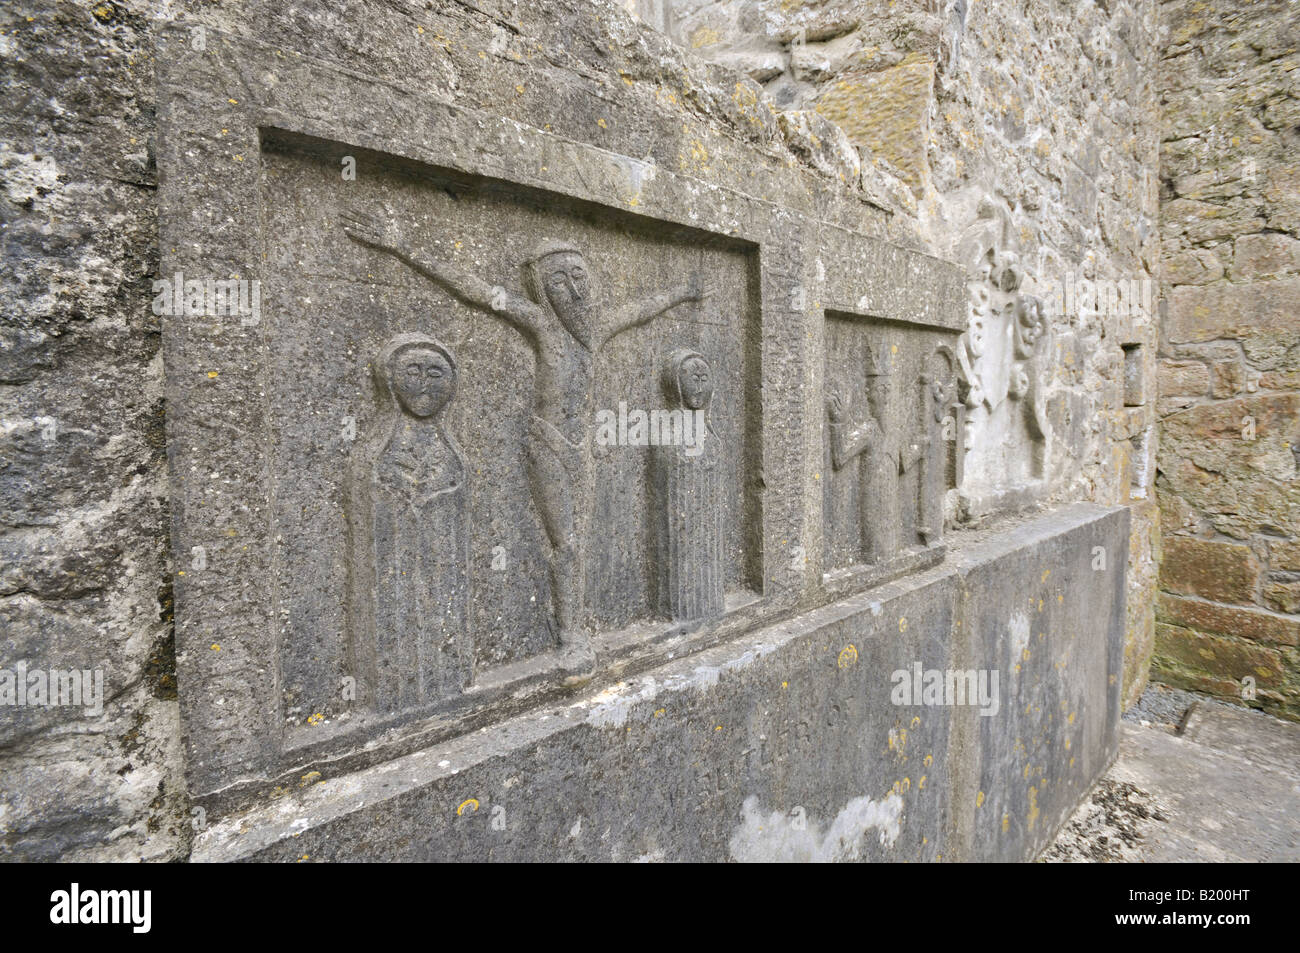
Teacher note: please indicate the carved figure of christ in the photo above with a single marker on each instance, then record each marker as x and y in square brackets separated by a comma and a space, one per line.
[562, 320]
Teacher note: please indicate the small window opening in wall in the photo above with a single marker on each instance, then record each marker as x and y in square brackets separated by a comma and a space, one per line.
[1135, 394]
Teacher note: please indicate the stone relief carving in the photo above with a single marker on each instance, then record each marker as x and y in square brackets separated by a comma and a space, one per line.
[688, 498]
[564, 321]
[408, 530]
[875, 446]
[941, 464]
[905, 447]
[1002, 363]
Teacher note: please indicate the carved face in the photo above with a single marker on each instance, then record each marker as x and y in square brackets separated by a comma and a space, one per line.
[567, 285]
[940, 397]
[939, 393]
[423, 381]
[696, 383]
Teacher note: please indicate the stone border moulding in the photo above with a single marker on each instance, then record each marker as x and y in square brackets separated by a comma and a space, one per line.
[220, 111]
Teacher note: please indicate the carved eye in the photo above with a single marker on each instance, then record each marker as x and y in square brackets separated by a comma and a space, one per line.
[579, 272]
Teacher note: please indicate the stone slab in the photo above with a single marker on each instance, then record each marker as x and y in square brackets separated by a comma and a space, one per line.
[781, 744]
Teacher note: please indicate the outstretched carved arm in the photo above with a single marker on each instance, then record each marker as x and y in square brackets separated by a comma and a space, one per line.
[638, 312]
[471, 289]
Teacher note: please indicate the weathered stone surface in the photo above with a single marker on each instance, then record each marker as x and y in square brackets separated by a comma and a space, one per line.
[1184, 656]
[887, 112]
[623, 263]
[1282, 595]
[84, 566]
[1190, 378]
[1224, 572]
[1247, 623]
[1066, 142]
[1053, 116]
[1264, 313]
[1232, 462]
[784, 744]
[1226, 379]
[1196, 266]
[1284, 554]
[1265, 256]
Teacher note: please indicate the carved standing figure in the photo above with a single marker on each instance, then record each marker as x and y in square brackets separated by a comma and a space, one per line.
[874, 441]
[688, 497]
[942, 419]
[409, 535]
[563, 321]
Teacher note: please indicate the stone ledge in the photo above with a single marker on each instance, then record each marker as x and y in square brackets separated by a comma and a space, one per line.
[782, 744]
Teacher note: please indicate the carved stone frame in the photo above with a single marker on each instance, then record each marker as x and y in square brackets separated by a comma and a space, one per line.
[216, 109]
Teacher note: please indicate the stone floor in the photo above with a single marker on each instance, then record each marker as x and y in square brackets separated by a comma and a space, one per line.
[1196, 780]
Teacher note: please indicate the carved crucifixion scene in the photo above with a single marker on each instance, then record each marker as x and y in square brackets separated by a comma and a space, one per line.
[554, 532]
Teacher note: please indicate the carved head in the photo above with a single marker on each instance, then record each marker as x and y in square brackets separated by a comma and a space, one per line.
[559, 277]
[940, 377]
[418, 373]
[688, 379]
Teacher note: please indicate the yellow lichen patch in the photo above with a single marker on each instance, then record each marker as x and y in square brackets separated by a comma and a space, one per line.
[308, 778]
[744, 96]
[316, 719]
[704, 36]
[1006, 822]
[215, 647]
[1033, 807]
[979, 799]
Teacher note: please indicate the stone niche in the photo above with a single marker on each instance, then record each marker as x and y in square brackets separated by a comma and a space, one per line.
[893, 445]
[491, 230]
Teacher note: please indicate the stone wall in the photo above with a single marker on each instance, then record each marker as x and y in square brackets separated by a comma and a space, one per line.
[1229, 406]
[1021, 130]
[85, 568]
[84, 565]
[1025, 128]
